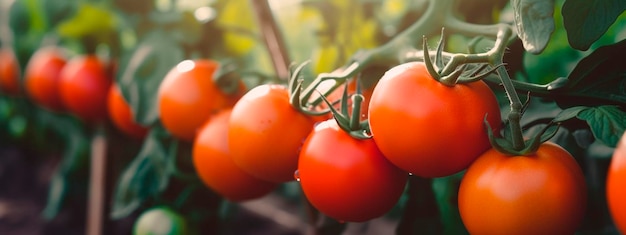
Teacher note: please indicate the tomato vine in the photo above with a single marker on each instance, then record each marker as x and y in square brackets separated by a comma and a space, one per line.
[505, 78]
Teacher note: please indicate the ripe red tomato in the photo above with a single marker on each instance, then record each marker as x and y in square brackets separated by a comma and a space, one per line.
[615, 185]
[121, 114]
[43, 77]
[187, 97]
[427, 128]
[84, 87]
[9, 72]
[346, 178]
[160, 220]
[265, 133]
[543, 193]
[215, 167]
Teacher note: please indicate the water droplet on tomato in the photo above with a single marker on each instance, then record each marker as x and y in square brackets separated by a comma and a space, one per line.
[296, 175]
[410, 174]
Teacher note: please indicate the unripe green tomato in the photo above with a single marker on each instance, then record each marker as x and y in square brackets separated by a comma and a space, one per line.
[160, 221]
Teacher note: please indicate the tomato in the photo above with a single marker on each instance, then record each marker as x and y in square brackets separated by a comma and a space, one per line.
[543, 193]
[162, 221]
[43, 75]
[427, 128]
[615, 182]
[9, 72]
[121, 114]
[187, 97]
[84, 87]
[265, 133]
[346, 178]
[215, 167]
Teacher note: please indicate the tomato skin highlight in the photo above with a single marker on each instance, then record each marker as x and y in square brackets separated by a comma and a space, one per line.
[9, 72]
[346, 178]
[265, 133]
[427, 128]
[42, 77]
[121, 114]
[543, 193]
[84, 87]
[187, 97]
[215, 167]
[616, 185]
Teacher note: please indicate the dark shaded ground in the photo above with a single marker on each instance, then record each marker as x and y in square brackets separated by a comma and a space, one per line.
[24, 182]
[23, 191]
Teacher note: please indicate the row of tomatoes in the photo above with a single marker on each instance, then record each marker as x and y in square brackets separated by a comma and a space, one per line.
[419, 126]
[80, 85]
[248, 142]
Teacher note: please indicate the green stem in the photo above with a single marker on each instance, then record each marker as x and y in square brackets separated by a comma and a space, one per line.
[515, 115]
[392, 52]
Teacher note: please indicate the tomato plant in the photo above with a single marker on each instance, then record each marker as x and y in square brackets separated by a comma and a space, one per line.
[43, 77]
[541, 193]
[160, 220]
[346, 178]
[215, 166]
[84, 87]
[188, 96]
[615, 191]
[408, 98]
[503, 78]
[265, 133]
[9, 72]
[120, 113]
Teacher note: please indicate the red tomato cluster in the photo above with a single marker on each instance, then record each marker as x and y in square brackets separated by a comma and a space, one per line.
[81, 85]
[247, 143]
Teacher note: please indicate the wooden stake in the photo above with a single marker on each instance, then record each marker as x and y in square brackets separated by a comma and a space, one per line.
[97, 186]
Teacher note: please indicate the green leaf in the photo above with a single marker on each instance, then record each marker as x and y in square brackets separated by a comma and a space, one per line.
[66, 177]
[587, 20]
[147, 175]
[57, 11]
[597, 79]
[90, 20]
[569, 113]
[56, 196]
[607, 123]
[143, 72]
[534, 22]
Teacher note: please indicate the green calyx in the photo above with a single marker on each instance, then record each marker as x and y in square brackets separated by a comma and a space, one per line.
[530, 146]
[227, 78]
[456, 70]
[350, 122]
[299, 97]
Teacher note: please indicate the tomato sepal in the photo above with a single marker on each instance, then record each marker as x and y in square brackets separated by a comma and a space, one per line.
[350, 122]
[226, 78]
[503, 145]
